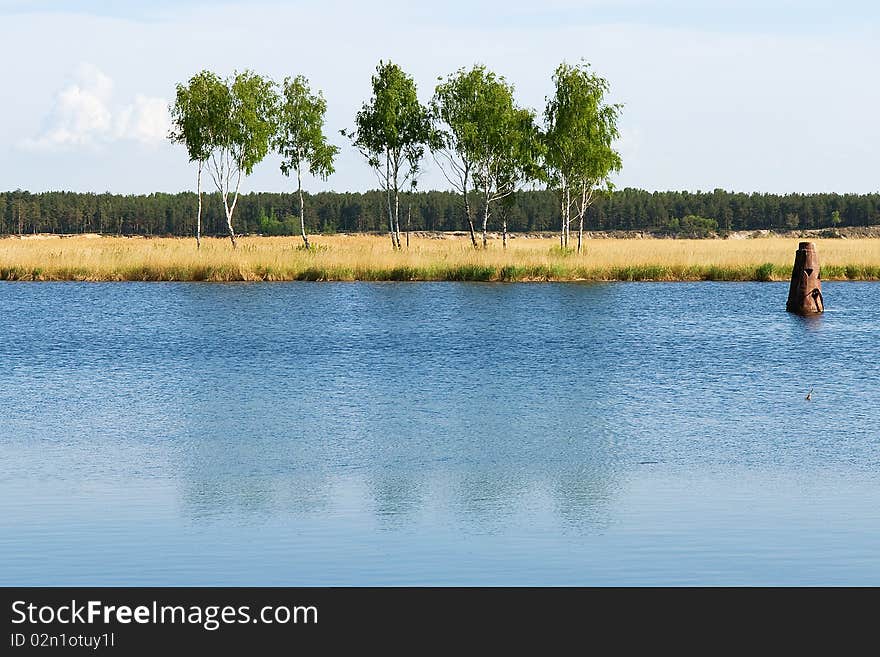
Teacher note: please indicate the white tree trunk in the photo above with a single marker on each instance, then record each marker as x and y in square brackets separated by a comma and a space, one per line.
[230, 228]
[586, 200]
[230, 210]
[397, 212]
[567, 215]
[221, 173]
[302, 206]
[562, 210]
[486, 197]
[561, 222]
[470, 219]
[199, 214]
[388, 199]
[580, 232]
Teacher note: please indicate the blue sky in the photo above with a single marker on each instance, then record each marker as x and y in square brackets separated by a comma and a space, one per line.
[774, 16]
[752, 96]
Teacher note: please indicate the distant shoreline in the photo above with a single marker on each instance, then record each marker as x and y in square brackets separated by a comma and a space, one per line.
[434, 257]
[844, 232]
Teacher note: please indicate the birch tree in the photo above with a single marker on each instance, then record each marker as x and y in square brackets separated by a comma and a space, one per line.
[454, 147]
[508, 158]
[246, 128]
[483, 142]
[391, 132]
[300, 138]
[580, 131]
[198, 117]
[518, 164]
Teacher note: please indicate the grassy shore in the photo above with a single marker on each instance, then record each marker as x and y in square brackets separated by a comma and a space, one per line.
[370, 258]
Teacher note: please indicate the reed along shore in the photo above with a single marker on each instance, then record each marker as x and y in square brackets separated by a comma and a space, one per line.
[437, 258]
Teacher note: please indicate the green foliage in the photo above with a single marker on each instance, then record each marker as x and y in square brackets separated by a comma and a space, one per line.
[638, 273]
[468, 273]
[580, 130]
[313, 248]
[270, 225]
[391, 132]
[200, 114]
[690, 226]
[514, 159]
[233, 118]
[470, 108]
[512, 273]
[392, 128]
[251, 121]
[764, 272]
[485, 137]
[300, 138]
[852, 272]
[227, 125]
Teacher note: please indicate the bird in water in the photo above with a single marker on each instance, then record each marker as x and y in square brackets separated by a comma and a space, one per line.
[809, 396]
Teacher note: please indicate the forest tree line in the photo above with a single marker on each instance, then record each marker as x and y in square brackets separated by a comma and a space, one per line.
[158, 214]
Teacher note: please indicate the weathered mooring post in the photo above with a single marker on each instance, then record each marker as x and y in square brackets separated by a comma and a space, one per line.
[805, 291]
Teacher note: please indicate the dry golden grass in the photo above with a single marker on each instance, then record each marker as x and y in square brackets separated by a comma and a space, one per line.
[369, 257]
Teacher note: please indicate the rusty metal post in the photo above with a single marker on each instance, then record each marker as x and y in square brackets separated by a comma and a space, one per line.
[805, 291]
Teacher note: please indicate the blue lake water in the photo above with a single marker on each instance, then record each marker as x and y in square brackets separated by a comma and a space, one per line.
[322, 434]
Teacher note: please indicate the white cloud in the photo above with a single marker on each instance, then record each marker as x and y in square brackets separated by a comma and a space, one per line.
[85, 116]
[145, 121]
[81, 113]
